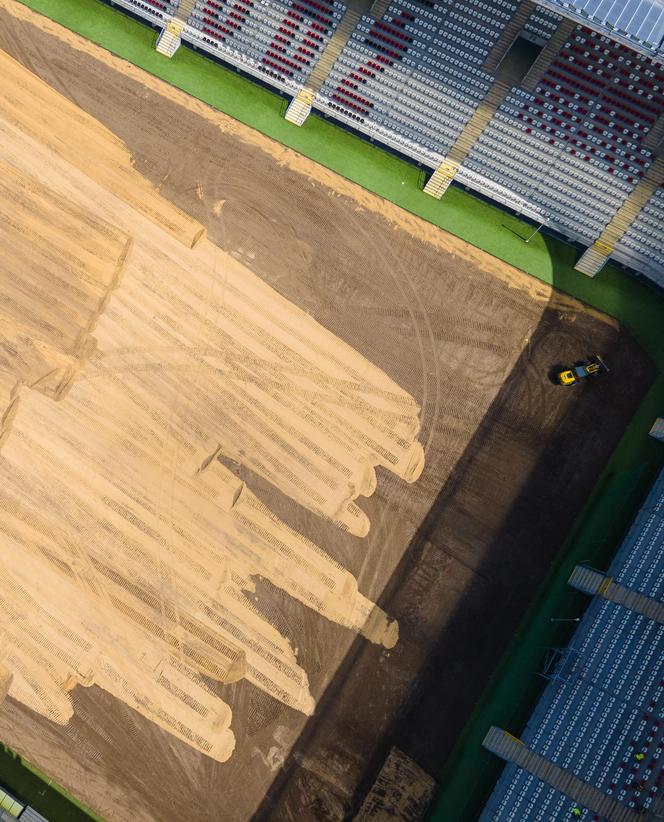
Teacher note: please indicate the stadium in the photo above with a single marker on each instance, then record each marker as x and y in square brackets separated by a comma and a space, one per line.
[332, 410]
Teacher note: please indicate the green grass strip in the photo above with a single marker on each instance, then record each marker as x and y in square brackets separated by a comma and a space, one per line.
[35, 788]
[512, 691]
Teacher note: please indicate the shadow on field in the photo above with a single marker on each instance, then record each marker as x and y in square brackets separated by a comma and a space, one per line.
[489, 540]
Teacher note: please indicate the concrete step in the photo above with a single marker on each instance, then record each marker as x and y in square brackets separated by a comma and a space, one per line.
[440, 180]
[379, 8]
[657, 430]
[300, 107]
[168, 42]
[635, 601]
[655, 136]
[586, 580]
[185, 8]
[591, 261]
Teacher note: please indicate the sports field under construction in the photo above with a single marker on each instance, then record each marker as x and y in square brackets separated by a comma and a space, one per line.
[267, 442]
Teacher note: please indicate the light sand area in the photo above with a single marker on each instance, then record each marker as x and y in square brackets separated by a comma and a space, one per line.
[130, 366]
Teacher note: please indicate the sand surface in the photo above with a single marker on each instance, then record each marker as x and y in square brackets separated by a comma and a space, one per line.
[223, 474]
[129, 546]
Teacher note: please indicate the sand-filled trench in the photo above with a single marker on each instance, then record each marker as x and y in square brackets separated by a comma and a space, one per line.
[135, 373]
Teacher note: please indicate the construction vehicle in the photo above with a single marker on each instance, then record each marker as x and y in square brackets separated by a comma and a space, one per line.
[594, 366]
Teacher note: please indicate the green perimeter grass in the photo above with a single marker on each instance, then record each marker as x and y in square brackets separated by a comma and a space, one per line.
[511, 692]
[34, 787]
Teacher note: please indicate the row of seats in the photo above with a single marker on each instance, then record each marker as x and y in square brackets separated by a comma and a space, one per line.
[540, 26]
[281, 38]
[153, 10]
[423, 85]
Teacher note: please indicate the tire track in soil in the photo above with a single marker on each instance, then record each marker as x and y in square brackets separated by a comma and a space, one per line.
[428, 416]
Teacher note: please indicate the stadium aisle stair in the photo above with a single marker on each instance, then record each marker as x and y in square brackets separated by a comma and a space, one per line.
[640, 604]
[379, 8]
[441, 178]
[656, 134]
[169, 39]
[658, 809]
[586, 580]
[444, 174]
[184, 9]
[513, 750]
[593, 582]
[334, 48]
[300, 106]
[594, 258]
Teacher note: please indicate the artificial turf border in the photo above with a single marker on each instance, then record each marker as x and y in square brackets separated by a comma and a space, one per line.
[510, 694]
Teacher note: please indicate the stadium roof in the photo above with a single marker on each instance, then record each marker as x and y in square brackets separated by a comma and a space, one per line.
[640, 23]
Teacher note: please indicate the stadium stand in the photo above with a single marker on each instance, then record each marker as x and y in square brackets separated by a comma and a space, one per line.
[12, 809]
[418, 73]
[593, 748]
[10, 806]
[31, 815]
[277, 41]
[570, 140]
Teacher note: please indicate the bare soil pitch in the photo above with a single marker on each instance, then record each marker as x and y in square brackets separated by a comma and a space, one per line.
[455, 557]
